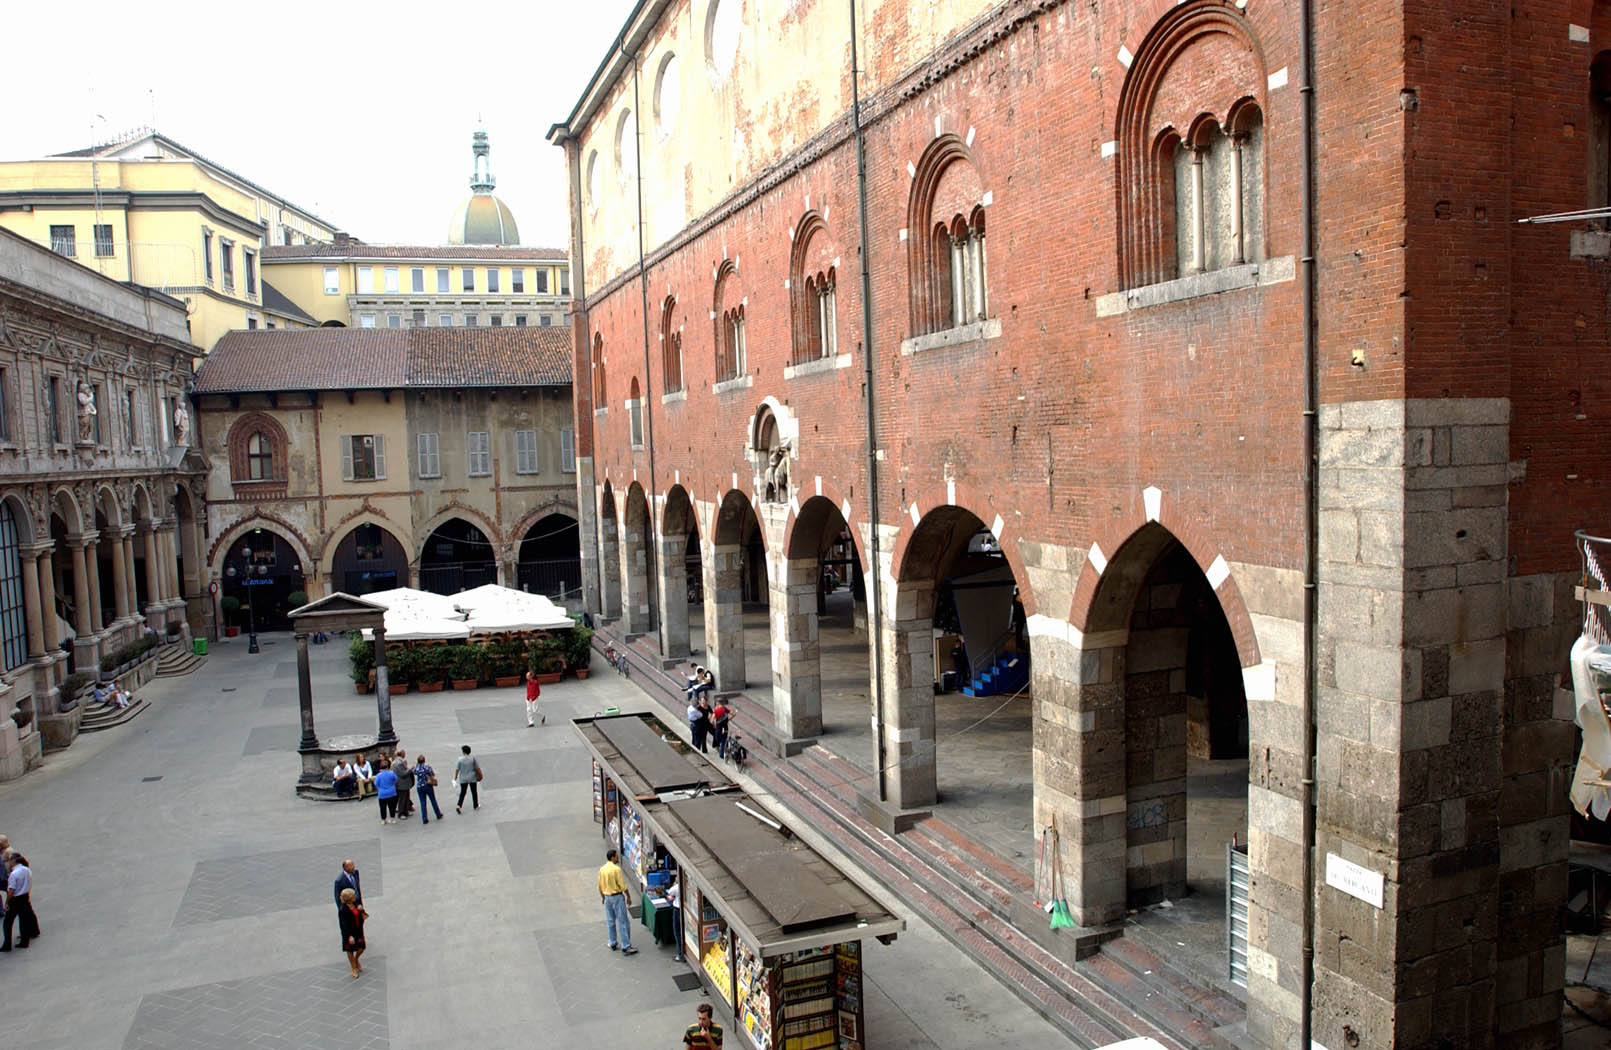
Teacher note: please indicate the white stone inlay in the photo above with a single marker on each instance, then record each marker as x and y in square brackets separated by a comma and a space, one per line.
[676, 476]
[902, 736]
[1097, 560]
[1577, 34]
[988, 199]
[785, 284]
[939, 128]
[1110, 148]
[1278, 79]
[819, 484]
[969, 139]
[735, 479]
[794, 504]
[916, 517]
[951, 491]
[1258, 681]
[1356, 880]
[844, 510]
[1218, 571]
[911, 170]
[1125, 57]
[808, 202]
[996, 527]
[903, 233]
[1152, 499]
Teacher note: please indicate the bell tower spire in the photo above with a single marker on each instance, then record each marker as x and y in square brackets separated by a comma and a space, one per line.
[482, 181]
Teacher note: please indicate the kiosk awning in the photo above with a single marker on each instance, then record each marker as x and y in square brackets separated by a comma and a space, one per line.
[643, 763]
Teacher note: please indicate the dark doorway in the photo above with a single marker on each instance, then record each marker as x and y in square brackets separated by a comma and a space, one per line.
[551, 558]
[370, 559]
[456, 558]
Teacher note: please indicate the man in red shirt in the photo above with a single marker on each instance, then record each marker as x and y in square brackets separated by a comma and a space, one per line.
[533, 691]
[718, 727]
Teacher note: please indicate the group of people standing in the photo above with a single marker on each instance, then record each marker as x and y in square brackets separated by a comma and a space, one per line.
[392, 779]
[709, 725]
[18, 905]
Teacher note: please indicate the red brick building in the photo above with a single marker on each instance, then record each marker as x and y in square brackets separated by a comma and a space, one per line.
[1078, 352]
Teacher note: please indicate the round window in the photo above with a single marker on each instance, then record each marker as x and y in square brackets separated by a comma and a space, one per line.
[667, 95]
[721, 36]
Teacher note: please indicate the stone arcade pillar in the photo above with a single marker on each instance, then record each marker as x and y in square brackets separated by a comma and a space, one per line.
[154, 576]
[32, 612]
[724, 616]
[47, 598]
[83, 618]
[121, 563]
[673, 596]
[610, 571]
[907, 637]
[796, 649]
[635, 583]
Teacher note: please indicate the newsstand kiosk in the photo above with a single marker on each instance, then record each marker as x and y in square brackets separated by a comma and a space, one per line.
[772, 927]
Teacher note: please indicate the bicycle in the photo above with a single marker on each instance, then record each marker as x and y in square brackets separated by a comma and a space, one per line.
[736, 751]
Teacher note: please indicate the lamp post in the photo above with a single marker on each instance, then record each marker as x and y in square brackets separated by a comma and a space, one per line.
[248, 571]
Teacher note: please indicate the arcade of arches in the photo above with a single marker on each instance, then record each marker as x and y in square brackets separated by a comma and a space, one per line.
[970, 706]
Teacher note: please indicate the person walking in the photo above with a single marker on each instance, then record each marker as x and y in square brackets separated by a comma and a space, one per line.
[698, 722]
[704, 1033]
[348, 880]
[425, 787]
[617, 904]
[533, 691]
[352, 915]
[19, 912]
[468, 774]
[386, 792]
[405, 784]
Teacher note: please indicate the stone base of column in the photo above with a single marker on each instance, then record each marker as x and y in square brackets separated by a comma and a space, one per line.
[319, 762]
[775, 743]
[889, 818]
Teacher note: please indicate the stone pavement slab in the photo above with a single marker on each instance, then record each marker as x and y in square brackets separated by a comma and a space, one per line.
[314, 1006]
[278, 880]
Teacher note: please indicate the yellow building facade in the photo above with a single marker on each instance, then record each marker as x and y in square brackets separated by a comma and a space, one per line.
[149, 211]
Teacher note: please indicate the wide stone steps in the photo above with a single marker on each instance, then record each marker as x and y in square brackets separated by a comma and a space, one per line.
[99, 716]
[177, 660]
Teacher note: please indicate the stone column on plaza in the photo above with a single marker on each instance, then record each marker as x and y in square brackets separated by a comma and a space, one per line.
[47, 597]
[724, 616]
[120, 578]
[304, 682]
[383, 695]
[635, 583]
[907, 637]
[30, 604]
[81, 594]
[167, 543]
[92, 551]
[129, 578]
[673, 597]
[796, 649]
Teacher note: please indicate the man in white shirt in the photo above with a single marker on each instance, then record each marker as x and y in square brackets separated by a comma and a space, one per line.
[344, 779]
[674, 898]
[18, 910]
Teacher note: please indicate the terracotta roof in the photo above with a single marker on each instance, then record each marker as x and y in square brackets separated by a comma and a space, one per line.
[480, 252]
[265, 360]
[274, 300]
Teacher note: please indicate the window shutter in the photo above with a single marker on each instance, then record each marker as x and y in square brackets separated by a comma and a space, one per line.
[423, 467]
[567, 450]
[346, 458]
[380, 456]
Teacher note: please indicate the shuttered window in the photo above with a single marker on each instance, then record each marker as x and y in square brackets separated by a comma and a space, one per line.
[525, 452]
[480, 453]
[430, 465]
[567, 451]
[363, 457]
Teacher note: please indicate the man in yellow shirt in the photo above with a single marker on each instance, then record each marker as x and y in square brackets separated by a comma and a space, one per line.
[617, 904]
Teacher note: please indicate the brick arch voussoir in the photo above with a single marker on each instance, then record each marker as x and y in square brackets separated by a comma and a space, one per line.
[260, 519]
[364, 515]
[244, 426]
[488, 528]
[981, 506]
[854, 519]
[555, 505]
[1204, 551]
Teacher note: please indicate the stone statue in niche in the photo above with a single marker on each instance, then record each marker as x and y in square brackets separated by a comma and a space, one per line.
[86, 412]
[181, 424]
[777, 475]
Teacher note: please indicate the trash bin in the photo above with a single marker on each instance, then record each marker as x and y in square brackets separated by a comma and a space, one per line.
[199, 647]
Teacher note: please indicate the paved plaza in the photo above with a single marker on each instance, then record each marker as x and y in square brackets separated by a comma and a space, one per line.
[185, 892]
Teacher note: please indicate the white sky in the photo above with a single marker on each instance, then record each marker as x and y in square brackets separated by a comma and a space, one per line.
[360, 113]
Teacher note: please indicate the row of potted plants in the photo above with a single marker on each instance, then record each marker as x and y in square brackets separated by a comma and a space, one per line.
[126, 656]
[504, 663]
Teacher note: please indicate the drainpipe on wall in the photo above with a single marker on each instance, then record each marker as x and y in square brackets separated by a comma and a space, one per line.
[579, 317]
[874, 608]
[643, 289]
[1311, 510]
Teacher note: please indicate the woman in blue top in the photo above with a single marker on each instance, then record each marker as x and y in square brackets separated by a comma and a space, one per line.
[425, 785]
[386, 792]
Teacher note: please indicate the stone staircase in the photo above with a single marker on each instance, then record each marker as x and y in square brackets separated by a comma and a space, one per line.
[177, 660]
[1098, 986]
[99, 716]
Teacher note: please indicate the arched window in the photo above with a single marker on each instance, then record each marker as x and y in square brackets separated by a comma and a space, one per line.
[13, 621]
[259, 457]
[670, 346]
[731, 360]
[634, 407]
[949, 278]
[601, 396]
[1191, 177]
[812, 288]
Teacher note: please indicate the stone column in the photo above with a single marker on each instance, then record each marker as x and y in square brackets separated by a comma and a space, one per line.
[120, 578]
[587, 529]
[153, 578]
[610, 566]
[129, 579]
[168, 544]
[724, 616]
[796, 650]
[907, 636]
[47, 598]
[304, 688]
[673, 597]
[92, 552]
[30, 605]
[635, 582]
[383, 695]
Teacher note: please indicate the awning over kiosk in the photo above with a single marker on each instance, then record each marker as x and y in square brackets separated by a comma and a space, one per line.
[643, 763]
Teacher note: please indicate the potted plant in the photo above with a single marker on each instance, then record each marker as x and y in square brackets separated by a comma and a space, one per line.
[401, 665]
[297, 599]
[361, 655]
[231, 607]
[465, 666]
[430, 670]
[579, 650]
[506, 659]
[547, 657]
